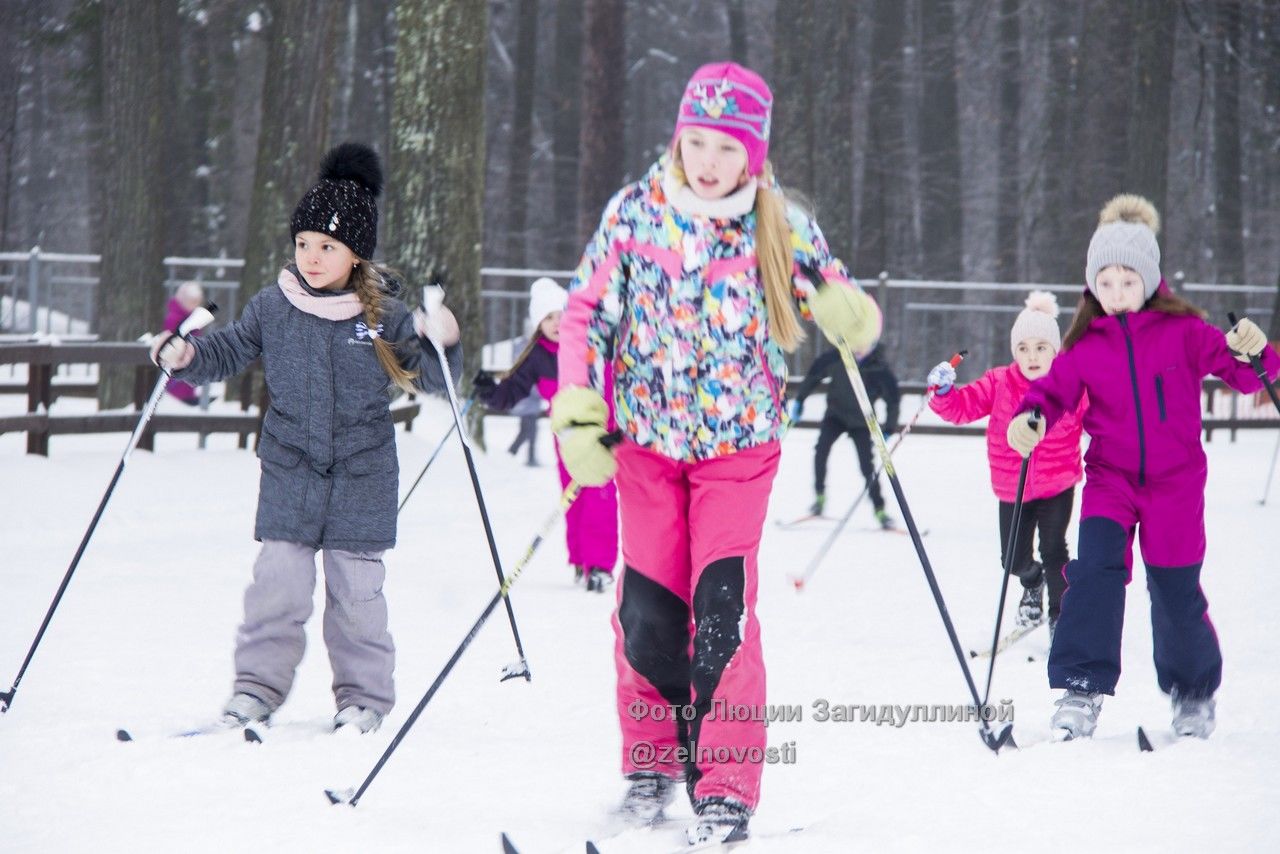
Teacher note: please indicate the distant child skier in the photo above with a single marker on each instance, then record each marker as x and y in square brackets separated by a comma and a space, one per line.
[1140, 353]
[1055, 469]
[844, 415]
[187, 298]
[591, 523]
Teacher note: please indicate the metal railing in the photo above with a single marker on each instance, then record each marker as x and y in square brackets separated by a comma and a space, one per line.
[925, 321]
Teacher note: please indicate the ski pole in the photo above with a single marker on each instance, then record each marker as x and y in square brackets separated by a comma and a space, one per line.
[804, 577]
[1256, 362]
[989, 737]
[515, 669]
[1271, 472]
[454, 426]
[198, 319]
[1015, 529]
[347, 796]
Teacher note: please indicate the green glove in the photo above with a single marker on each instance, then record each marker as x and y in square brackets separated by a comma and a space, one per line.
[578, 417]
[846, 313]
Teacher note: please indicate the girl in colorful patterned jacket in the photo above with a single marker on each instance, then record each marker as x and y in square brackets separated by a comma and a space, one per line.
[333, 337]
[1055, 468]
[688, 290]
[591, 522]
[1140, 353]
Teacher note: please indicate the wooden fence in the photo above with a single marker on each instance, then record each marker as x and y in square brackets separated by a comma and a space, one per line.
[39, 422]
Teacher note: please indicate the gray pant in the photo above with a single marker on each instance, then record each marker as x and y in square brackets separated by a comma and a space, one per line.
[271, 640]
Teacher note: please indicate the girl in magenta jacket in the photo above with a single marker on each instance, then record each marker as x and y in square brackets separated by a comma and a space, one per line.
[591, 522]
[1140, 353]
[1055, 468]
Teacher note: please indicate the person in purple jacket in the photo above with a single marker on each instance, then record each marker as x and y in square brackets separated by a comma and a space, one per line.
[1140, 352]
[187, 298]
[591, 523]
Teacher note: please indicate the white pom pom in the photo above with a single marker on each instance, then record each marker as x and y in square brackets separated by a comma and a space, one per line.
[1043, 301]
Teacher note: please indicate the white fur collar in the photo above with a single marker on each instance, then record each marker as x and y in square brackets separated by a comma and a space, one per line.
[686, 201]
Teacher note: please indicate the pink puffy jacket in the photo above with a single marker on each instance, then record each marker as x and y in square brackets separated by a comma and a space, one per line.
[1055, 463]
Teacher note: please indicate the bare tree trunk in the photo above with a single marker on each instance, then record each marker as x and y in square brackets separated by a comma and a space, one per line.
[294, 131]
[603, 122]
[832, 125]
[435, 199]
[1059, 255]
[792, 137]
[881, 179]
[737, 31]
[1099, 148]
[15, 35]
[566, 106]
[1008, 189]
[521, 133]
[1228, 208]
[1148, 169]
[941, 227]
[137, 37]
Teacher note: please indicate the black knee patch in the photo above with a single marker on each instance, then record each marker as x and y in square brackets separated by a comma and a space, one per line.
[718, 605]
[717, 614]
[655, 635]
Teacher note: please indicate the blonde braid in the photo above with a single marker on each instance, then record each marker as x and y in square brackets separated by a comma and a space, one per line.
[367, 279]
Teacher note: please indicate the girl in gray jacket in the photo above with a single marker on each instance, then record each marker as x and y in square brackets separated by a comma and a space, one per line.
[332, 335]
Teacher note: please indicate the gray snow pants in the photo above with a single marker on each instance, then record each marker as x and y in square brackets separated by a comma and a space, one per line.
[271, 640]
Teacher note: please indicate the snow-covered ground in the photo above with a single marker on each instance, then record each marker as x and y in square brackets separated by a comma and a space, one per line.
[144, 638]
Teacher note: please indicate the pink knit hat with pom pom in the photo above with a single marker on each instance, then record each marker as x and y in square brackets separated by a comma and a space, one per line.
[734, 100]
[1038, 320]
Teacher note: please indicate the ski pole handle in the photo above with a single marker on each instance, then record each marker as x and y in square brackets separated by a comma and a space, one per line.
[954, 362]
[198, 319]
[1256, 362]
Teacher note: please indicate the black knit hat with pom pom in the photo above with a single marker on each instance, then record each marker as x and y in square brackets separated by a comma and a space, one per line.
[343, 204]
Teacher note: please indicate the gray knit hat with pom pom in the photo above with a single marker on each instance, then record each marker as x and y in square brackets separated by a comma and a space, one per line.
[1126, 235]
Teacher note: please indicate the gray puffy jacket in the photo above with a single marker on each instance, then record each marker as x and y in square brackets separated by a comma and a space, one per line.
[328, 453]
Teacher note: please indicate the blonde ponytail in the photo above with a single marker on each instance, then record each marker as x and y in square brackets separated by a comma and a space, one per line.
[773, 256]
[367, 279]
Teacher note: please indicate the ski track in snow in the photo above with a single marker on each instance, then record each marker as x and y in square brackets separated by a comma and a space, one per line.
[143, 640]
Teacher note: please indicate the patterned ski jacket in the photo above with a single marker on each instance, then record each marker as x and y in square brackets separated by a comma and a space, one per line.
[675, 303]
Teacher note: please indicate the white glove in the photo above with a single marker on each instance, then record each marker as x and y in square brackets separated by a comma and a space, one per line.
[942, 377]
[1246, 339]
[435, 322]
[171, 352]
[1023, 435]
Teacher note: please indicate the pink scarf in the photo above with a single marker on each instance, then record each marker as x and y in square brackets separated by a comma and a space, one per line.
[344, 305]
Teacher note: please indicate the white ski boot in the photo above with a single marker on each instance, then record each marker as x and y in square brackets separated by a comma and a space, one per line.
[1077, 715]
[649, 795]
[357, 718]
[1193, 715]
[719, 820]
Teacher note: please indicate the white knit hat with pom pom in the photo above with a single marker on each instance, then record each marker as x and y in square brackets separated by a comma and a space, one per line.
[1038, 320]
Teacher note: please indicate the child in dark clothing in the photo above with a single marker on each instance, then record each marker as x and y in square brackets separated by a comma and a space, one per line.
[844, 415]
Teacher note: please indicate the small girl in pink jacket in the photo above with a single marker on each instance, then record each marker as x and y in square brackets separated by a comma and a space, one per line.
[1055, 467]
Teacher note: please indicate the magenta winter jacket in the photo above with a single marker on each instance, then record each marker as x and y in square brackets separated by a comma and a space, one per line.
[1055, 463]
[1142, 372]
